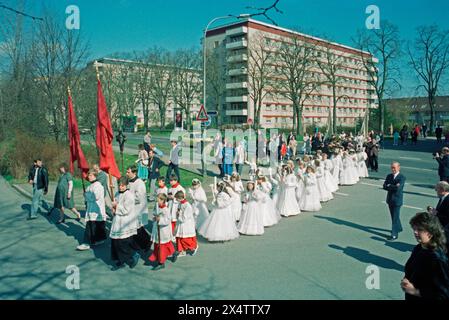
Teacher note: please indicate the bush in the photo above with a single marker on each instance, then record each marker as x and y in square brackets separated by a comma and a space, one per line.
[17, 155]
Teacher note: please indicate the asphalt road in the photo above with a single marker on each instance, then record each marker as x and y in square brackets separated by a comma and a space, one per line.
[323, 255]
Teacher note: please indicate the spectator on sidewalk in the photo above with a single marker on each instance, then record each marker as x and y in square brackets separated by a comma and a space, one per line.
[395, 138]
[147, 141]
[438, 133]
[173, 164]
[443, 164]
[424, 130]
[154, 166]
[39, 180]
[64, 194]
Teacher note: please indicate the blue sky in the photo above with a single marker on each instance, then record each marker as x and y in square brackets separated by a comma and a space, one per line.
[127, 25]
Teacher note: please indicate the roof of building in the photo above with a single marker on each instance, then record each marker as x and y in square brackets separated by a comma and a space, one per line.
[418, 104]
[222, 28]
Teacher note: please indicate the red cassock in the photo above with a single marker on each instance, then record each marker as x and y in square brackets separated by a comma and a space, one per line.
[184, 244]
[166, 250]
[173, 226]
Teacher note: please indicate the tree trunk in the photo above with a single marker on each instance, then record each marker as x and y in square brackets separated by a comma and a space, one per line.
[334, 116]
[431, 125]
[294, 118]
[381, 117]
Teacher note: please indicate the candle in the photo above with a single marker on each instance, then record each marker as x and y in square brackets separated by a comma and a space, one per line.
[215, 181]
[269, 170]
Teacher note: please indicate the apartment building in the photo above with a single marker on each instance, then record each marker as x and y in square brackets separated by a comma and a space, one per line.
[231, 44]
[121, 73]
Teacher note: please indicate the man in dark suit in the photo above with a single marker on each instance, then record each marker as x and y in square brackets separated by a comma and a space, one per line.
[442, 208]
[443, 164]
[39, 179]
[154, 166]
[394, 184]
[438, 133]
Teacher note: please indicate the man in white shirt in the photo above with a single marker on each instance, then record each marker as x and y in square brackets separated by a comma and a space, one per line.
[174, 160]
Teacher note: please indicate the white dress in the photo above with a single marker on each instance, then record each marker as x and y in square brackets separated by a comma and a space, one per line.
[200, 210]
[363, 170]
[346, 175]
[220, 225]
[275, 191]
[125, 221]
[325, 193]
[328, 178]
[270, 215]
[337, 165]
[300, 185]
[355, 169]
[311, 198]
[236, 203]
[288, 206]
[251, 222]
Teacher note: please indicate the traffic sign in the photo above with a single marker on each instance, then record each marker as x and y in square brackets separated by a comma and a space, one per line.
[202, 114]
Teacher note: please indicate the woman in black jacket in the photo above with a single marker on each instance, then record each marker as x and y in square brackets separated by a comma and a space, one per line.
[427, 270]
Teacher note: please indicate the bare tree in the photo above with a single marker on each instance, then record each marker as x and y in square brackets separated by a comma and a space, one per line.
[162, 76]
[383, 44]
[430, 59]
[299, 80]
[187, 85]
[260, 73]
[332, 66]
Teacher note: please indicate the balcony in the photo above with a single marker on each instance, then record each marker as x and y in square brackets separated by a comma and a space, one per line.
[236, 85]
[236, 31]
[238, 72]
[237, 58]
[241, 112]
[237, 44]
[243, 98]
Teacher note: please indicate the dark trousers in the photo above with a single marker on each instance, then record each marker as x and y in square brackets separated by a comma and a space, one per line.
[146, 146]
[95, 231]
[395, 219]
[142, 239]
[220, 167]
[175, 168]
[374, 163]
[123, 250]
[443, 178]
[238, 168]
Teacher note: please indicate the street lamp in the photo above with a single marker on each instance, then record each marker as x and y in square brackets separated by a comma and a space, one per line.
[240, 16]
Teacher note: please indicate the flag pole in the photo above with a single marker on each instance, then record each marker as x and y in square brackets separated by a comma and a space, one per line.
[82, 179]
[111, 187]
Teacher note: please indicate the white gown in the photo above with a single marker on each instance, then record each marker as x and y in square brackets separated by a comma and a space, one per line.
[300, 186]
[355, 169]
[337, 167]
[363, 170]
[275, 192]
[270, 215]
[220, 225]
[288, 206]
[328, 178]
[200, 210]
[236, 205]
[324, 192]
[311, 198]
[346, 175]
[251, 221]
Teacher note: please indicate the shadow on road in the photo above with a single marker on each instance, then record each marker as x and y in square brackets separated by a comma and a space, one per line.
[369, 258]
[397, 245]
[372, 230]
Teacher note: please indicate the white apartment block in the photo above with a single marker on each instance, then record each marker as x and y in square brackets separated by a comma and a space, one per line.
[112, 66]
[231, 43]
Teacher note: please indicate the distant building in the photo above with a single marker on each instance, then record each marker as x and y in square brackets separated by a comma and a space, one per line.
[419, 111]
[231, 44]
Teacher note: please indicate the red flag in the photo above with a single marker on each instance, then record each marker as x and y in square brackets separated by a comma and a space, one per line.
[76, 153]
[105, 136]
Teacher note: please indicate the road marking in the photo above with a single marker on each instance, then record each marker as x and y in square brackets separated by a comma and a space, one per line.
[406, 206]
[410, 158]
[342, 194]
[370, 184]
[419, 193]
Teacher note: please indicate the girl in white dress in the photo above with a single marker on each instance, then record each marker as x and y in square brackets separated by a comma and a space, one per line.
[328, 178]
[288, 206]
[325, 193]
[300, 174]
[236, 205]
[361, 158]
[275, 191]
[337, 165]
[346, 175]
[251, 222]
[310, 199]
[220, 225]
[199, 204]
[355, 166]
[270, 215]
